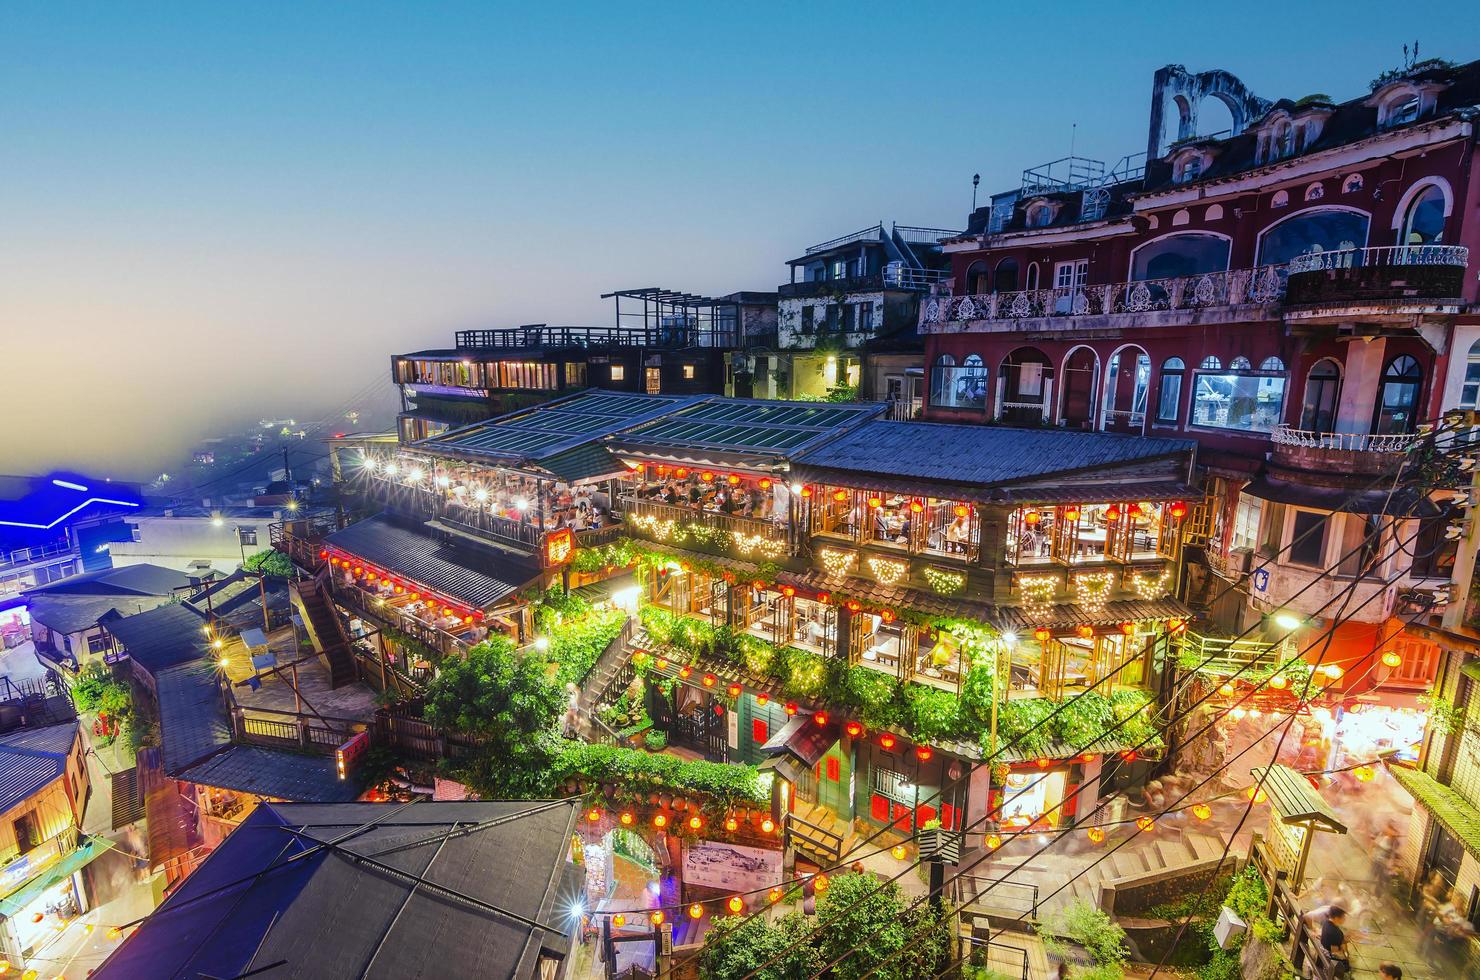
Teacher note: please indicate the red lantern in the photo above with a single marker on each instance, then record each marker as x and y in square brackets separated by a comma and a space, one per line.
[916, 506]
[788, 591]
[806, 492]
[791, 707]
[875, 503]
[763, 698]
[854, 605]
[840, 495]
[961, 510]
[1128, 628]
[887, 615]
[1032, 517]
[764, 483]
[854, 729]
[1135, 510]
[709, 680]
[1043, 763]
[734, 690]
[736, 904]
[1176, 625]
[1071, 513]
[1112, 513]
[820, 717]
[1179, 510]
[1129, 755]
[707, 476]
[680, 472]
[685, 671]
[1145, 824]
[1085, 632]
[732, 479]
[323, 554]
[887, 741]
[924, 752]
[758, 585]
[1042, 633]
[824, 597]
[1095, 835]
[731, 824]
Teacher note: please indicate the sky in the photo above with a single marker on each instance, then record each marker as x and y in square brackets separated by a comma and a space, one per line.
[220, 212]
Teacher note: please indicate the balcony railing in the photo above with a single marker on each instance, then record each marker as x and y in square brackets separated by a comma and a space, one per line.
[870, 234]
[650, 515]
[1386, 273]
[1353, 442]
[1232, 288]
[1383, 256]
[36, 553]
[897, 275]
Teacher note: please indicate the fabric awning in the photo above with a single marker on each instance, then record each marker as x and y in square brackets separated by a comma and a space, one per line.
[1402, 502]
[80, 858]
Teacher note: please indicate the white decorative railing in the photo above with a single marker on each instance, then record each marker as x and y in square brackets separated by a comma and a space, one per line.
[901, 276]
[1355, 442]
[1232, 288]
[1385, 255]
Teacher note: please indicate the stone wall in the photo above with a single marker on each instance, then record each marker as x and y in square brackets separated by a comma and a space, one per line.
[1134, 894]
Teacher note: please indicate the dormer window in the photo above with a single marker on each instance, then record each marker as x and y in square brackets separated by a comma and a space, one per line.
[1404, 112]
[1405, 100]
[1188, 164]
[1040, 214]
[1191, 170]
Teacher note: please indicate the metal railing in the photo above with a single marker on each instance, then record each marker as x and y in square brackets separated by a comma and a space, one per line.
[1356, 442]
[398, 619]
[26, 556]
[1232, 288]
[871, 233]
[916, 235]
[1381, 256]
[1223, 656]
[900, 276]
[543, 335]
[1016, 897]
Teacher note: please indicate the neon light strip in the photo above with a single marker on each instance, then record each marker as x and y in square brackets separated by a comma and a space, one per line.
[89, 500]
[69, 485]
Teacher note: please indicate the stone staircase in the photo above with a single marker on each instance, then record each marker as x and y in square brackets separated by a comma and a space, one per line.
[1050, 871]
[611, 671]
[817, 834]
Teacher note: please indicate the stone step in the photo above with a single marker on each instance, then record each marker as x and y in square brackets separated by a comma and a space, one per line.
[1171, 853]
[1205, 846]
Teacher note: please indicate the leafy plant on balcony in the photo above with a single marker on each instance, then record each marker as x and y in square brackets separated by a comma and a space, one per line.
[270, 562]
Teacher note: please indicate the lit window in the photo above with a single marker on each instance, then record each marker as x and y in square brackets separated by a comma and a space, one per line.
[1169, 400]
[1210, 363]
[1238, 399]
[688, 372]
[959, 387]
[619, 372]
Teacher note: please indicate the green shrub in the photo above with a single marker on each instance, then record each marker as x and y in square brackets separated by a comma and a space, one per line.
[655, 740]
[270, 562]
[1088, 926]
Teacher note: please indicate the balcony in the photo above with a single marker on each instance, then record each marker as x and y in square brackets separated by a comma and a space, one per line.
[1378, 275]
[1339, 452]
[688, 526]
[814, 288]
[1186, 298]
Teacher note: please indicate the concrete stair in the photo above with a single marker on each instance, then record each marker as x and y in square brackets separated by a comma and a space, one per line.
[325, 630]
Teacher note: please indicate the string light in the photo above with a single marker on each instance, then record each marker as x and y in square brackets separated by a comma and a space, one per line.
[1202, 811]
[736, 904]
[899, 852]
[1096, 835]
[696, 911]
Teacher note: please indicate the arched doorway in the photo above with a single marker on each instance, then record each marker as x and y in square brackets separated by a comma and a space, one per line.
[1397, 400]
[1025, 388]
[1127, 387]
[1081, 372]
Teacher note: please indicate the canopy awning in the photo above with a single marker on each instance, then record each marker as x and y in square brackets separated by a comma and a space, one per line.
[1400, 503]
[16, 901]
[1295, 800]
[804, 739]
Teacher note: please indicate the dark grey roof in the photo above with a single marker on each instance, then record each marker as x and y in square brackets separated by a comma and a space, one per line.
[475, 576]
[979, 455]
[128, 580]
[31, 759]
[281, 775]
[731, 429]
[273, 896]
[73, 613]
[164, 637]
[532, 435]
[192, 717]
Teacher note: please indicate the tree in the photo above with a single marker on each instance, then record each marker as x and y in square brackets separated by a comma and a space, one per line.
[863, 930]
[270, 562]
[503, 699]
[737, 947]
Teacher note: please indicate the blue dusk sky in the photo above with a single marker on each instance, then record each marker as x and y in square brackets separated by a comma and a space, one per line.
[212, 212]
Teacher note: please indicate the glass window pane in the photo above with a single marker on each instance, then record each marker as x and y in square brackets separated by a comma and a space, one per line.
[1313, 231]
[1246, 402]
[1180, 255]
[1308, 539]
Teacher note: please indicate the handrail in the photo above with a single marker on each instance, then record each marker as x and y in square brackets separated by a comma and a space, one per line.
[820, 838]
[977, 880]
[1381, 255]
[1359, 442]
[901, 276]
[919, 235]
[869, 233]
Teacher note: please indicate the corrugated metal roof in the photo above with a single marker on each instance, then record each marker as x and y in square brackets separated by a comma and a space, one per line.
[744, 426]
[129, 580]
[473, 576]
[192, 717]
[31, 759]
[165, 637]
[321, 908]
[979, 454]
[281, 775]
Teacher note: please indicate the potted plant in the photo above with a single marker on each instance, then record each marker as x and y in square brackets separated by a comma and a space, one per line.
[937, 843]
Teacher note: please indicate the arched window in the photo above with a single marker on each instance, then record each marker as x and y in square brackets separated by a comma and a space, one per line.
[1397, 400]
[1210, 363]
[1183, 254]
[1169, 398]
[959, 387]
[1032, 282]
[1322, 390]
[1240, 363]
[1040, 215]
[1271, 364]
[1282, 140]
[977, 280]
[1322, 230]
[1424, 222]
[1469, 394]
[1239, 398]
[1005, 276]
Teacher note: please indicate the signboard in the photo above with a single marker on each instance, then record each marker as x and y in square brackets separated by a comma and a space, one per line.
[558, 546]
[350, 753]
[730, 867]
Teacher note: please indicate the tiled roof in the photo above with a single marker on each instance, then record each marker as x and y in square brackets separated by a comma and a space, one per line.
[128, 580]
[31, 759]
[326, 905]
[978, 454]
[281, 775]
[73, 613]
[192, 718]
[743, 427]
[164, 637]
[471, 575]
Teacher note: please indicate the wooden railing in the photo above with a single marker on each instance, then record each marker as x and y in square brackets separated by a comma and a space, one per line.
[825, 845]
[647, 515]
[320, 734]
[392, 616]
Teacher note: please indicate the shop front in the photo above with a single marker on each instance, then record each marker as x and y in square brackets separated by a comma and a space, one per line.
[45, 892]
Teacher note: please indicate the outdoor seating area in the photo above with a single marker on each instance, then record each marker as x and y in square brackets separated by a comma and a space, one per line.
[1074, 534]
[917, 525]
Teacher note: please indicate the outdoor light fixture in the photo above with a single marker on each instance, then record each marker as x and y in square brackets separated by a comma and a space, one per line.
[1288, 621]
[736, 904]
[390, 469]
[443, 482]
[619, 920]
[217, 522]
[542, 643]
[415, 474]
